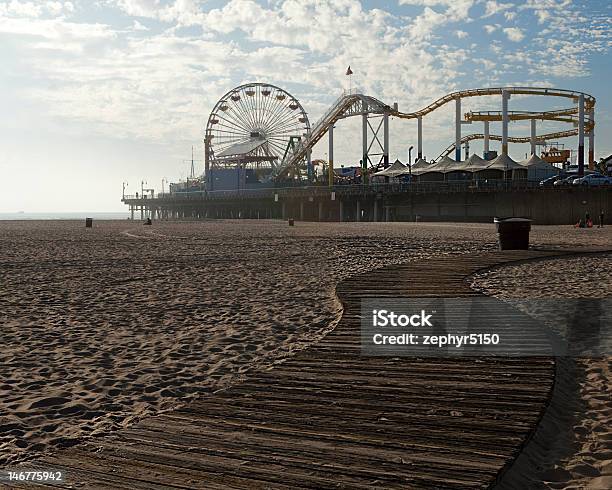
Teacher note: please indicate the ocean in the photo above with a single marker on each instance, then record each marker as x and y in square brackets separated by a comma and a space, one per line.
[62, 216]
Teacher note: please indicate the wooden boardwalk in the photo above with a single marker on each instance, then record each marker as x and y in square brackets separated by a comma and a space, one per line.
[329, 417]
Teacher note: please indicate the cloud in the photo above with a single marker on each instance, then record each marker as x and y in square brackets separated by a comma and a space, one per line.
[492, 7]
[137, 26]
[514, 34]
[491, 28]
[461, 34]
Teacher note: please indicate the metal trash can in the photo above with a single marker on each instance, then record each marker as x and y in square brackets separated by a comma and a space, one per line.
[88, 222]
[291, 222]
[513, 233]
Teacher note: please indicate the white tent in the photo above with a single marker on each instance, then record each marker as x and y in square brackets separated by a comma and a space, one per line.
[505, 164]
[474, 163]
[419, 163]
[397, 169]
[538, 169]
[436, 171]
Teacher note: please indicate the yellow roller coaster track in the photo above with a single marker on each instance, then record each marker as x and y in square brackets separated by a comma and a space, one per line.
[512, 139]
[589, 100]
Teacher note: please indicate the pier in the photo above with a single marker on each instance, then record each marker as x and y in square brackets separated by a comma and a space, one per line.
[433, 201]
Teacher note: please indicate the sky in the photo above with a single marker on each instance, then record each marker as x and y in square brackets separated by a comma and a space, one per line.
[98, 93]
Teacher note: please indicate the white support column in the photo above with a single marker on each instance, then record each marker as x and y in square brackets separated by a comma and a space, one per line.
[141, 212]
[386, 139]
[420, 137]
[486, 138]
[533, 137]
[364, 136]
[458, 129]
[330, 168]
[505, 97]
[592, 139]
[581, 134]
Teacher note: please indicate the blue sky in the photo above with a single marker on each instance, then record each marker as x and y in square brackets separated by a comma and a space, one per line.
[97, 93]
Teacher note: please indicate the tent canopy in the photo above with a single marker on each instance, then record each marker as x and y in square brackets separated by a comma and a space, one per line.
[505, 163]
[395, 170]
[420, 163]
[446, 164]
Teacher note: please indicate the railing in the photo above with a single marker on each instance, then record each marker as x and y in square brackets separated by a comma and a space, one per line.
[489, 185]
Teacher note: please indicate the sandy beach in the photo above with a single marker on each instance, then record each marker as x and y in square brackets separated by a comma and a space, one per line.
[573, 446]
[103, 326]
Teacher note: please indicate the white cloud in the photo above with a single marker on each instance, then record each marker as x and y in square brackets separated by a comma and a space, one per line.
[491, 28]
[514, 34]
[492, 7]
[461, 34]
[510, 16]
[137, 26]
[543, 15]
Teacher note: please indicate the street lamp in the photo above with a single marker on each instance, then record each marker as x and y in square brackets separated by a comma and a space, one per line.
[410, 162]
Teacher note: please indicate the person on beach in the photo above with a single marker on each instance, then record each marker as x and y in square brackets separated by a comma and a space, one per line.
[601, 219]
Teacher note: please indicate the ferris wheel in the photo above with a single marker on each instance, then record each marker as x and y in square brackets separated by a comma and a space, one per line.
[255, 124]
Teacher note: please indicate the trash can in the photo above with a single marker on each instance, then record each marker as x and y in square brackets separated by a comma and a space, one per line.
[88, 222]
[513, 233]
[291, 222]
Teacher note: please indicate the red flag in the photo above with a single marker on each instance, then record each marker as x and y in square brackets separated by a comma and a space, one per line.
[349, 71]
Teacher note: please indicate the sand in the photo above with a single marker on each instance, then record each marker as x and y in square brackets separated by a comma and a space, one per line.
[103, 326]
[573, 445]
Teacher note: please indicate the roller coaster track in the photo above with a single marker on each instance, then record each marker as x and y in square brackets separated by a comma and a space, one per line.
[512, 139]
[352, 103]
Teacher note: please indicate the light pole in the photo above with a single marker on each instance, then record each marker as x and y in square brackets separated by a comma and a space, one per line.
[410, 162]
[125, 184]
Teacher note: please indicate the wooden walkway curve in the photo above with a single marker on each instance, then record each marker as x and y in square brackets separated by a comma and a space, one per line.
[329, 417]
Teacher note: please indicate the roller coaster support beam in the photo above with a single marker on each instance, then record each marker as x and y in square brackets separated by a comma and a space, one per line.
[581, 134]
[330, 163]
[486, 138]
[386, 139]
[505, 119]
[592, 139]
[533, 137]
[364, 136]
[458, 129]
[419, 137]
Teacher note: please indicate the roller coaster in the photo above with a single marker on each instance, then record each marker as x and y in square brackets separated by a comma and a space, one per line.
[261, 125]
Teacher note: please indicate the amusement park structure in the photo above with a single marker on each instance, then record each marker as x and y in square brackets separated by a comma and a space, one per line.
[263, 129]
[258, 163]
